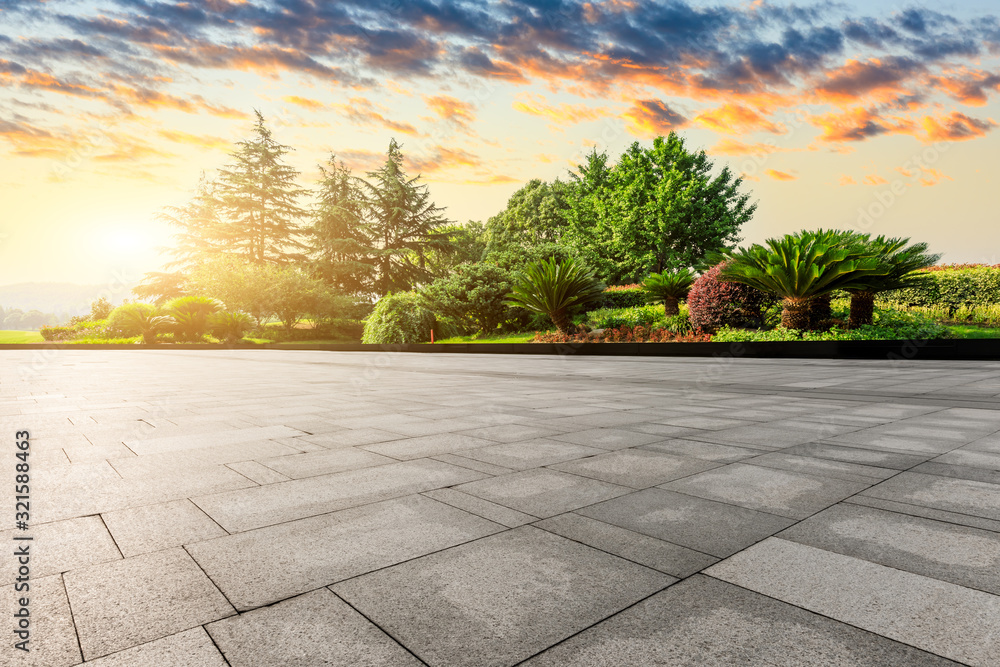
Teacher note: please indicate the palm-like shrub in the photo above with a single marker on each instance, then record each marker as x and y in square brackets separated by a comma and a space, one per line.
[553, 288]
[902, 261]
[798, 268]
[668, 289]
[229, 327]
[139, 319]
[191, 315]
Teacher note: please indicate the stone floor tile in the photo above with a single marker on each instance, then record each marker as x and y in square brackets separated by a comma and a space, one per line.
[63, 545]
[140, 530]
[703, 621]
[129, 602]
[663, 556]
[510, 433]
[541, 492]
[966, 556]
[317, 628]
[262, 566]
[939, 617]
[848, 454]
[52, 639]
[299, 466]
[181, 442]
[954, 495]
[498, 600]
[636, 468]
[781, 460]
[351, 437]
[530, 453]
[484, 508]
[257, 472]
[428, 445]
[608, 438]
[713, 528]
[185, 649]
[707, 451]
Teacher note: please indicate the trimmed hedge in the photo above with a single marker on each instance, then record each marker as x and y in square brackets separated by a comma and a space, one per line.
[56, 333]
[399, 318]
[623, 296]
[950, 287]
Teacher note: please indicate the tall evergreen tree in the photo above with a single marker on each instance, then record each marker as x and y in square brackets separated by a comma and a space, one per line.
[258, 198]
[341, 242]
[402, 223]
[198, 225]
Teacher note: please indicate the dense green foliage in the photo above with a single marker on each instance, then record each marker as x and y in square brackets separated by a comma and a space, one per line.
[473, 296]
[657, 209]
[888, 325]
[623, 296]
[399, 318]
[950, 288]
[668, 289]
[230, 327]
[553, 288]
[191, 315]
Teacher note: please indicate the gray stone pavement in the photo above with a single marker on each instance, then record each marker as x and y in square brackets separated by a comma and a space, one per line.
[200, 508]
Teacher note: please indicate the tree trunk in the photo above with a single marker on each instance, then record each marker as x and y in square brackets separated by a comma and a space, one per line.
[795, 314]
[862, 309]
[820, 310]
[561, 321]
[670, 307]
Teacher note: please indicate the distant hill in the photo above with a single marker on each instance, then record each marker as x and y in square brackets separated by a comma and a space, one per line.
[59, 298]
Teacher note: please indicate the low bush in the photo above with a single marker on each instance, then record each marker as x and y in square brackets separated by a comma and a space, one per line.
[230, 327]
[126, 320]
[623, 296]
[951, 288]
[611, 318]
[713, 304]
[57, 333]
[888, 325]
[399, 318]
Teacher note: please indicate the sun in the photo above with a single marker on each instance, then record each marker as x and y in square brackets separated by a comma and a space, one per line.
[123, 241]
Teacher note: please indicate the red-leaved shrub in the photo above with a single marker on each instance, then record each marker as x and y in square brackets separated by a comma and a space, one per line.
[713, 304]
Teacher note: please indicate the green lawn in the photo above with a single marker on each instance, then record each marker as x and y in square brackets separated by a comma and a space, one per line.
[973, 331]
[510, 338]
[21, 337]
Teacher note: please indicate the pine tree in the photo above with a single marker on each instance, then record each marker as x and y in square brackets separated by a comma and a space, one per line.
[257, 197]
[198, 225]
[341, 243]
[402, 223]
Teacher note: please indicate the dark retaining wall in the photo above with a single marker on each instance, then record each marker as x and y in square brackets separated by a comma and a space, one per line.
[968, 349]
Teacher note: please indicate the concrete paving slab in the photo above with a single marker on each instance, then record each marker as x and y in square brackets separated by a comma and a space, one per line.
[952, 621]
[707, 526]
[300, 466]
[352, 437]
[140, 530]
[965, 556]
[954, 495]
[509, 432]
[181, 442]
[530, 454]
[498, 600]
[636, 468]
[976, 474]
[429, 445]
[317, 628]
[970, 458]
[52, 638]
[152, 596]
[185, 649]
[63, 545]
[287, 501]
[854, 472]
[484, 508]
[670, 558]
[703, 621]
[542, 492]
[790, 494]
[266, 565]
[608, 438]
[706, 451]
[257, 472]
[848, 454]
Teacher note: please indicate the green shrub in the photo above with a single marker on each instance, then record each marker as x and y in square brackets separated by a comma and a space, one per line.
[889, 325]
[951, 288]
[230, 327]
[555, 288]
[191, 315]
[472, 296]
[613, 318]
[56, 333]
[623, 296]
[399, 318]
[125, 321]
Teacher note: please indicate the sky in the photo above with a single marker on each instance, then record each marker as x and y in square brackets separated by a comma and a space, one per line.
[877, 116]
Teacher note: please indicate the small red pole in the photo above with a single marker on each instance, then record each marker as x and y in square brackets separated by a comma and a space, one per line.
[432, 335]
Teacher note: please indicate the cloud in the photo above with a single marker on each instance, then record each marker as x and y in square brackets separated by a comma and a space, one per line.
[451, 109]
[956, 126]
[362, 112]
[856, 124]
[563, 114]
[440, 159]
[930, 177]
[876, 78]
[780, 175]
[847, 180]
[201, 141]
[874, 179]
[304, 102]
[736, 119]
[652, 117]
[737, 148]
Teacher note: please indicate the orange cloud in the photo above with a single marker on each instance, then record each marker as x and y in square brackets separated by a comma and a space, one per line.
[652, 117]
[931, 177]
[956, 127]
[735, 118]
[195, 140]
[452, 109]
[859, 124]
[879, 80]
[874, 179]
[442, 158]
[969, 88]
[780, 175]
[847, 180]
[736, 148]
[304, 102]
[563, 114]
[362, 111]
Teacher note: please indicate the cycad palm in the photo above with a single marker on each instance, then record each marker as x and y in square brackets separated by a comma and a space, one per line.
[902, 261]
[799, 268]
[668, 289]
[553, 287]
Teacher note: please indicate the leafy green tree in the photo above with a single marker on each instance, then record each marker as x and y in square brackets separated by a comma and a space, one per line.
[473, 296]
[293, 295]
[798, 268]
[535, 215]
[399, 318]
[462, 244]
[341, 242]
[668, 289]
[657, 209]
[553, 288]
[161, 287]
[258, 201]
[239, 284]
[401, 222]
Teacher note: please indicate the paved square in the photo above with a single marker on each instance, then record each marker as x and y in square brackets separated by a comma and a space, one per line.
[272, 507]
